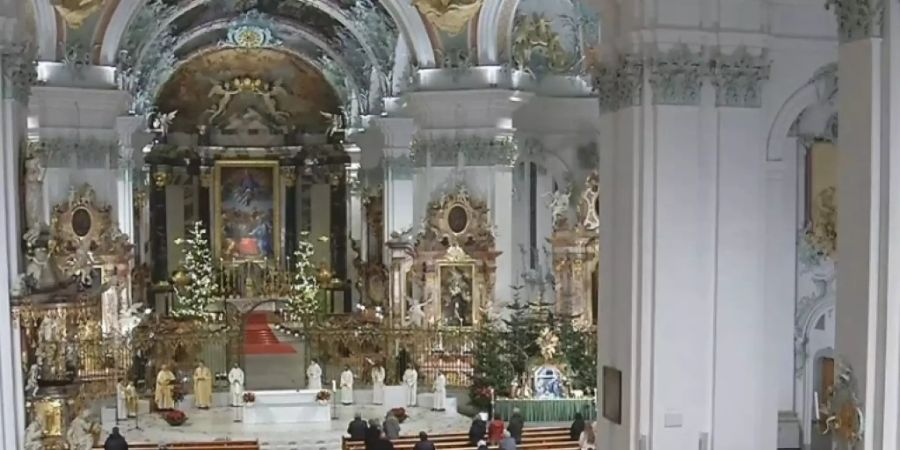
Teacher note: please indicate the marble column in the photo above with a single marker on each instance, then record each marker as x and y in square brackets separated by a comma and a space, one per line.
[395, 135]
[16, 74]
[867, 312]
[127, 127]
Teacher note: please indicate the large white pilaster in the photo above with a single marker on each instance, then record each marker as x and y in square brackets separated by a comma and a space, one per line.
[127, 127]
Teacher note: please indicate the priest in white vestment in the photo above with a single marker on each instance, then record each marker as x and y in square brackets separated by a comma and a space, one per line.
[440, 392]
[347, 386]
[236, 385]
[121, 407]
[411, 383]
[378, 385]
[314, 376]
[203, 380]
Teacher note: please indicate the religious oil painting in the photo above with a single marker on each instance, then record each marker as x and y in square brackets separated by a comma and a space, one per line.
[248, 210]
[457, 294]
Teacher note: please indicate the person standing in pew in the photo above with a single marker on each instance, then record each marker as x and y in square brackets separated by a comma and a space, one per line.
[357, 428]
[577, 427]
[372, 434]
[508, 443]
[391, 426]
[516, 425]
[496, 429]
[383, 443]
[586, 441]
[478, 429]
[424, 443]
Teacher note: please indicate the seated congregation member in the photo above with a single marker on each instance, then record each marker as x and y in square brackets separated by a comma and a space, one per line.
[516, 425]
[577, 427]
[383, 443]
[115, 441]
[478, 429]
[507, 443]
[495, 430]
[424, 443]
[391, 426]
[373, 433]
[482, 445]
[586, 441]
[357, 428]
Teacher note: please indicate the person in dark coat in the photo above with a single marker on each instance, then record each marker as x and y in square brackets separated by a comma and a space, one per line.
[391, 426]
[115, 441]
[382, 443]
[373, 435]
[424, 443]
[516, 425]
[577, 427]
[507, 443]
[357, 428]
[477, 430]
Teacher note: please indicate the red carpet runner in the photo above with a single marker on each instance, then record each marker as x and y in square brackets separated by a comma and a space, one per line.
[259, 338]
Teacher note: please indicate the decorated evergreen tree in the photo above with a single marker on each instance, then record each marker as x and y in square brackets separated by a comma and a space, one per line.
[523, 326]
[491, 368]
[304, 302]
[202, 287]
[579, 348]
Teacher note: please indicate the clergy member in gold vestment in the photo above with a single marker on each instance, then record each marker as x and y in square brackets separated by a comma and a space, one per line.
[165, 380]
[202, 386]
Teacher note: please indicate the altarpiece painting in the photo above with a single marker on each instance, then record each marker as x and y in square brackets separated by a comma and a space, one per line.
[248, 210]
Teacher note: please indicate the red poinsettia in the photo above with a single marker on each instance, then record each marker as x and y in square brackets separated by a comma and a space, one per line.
[323, 396]
[175, 417]
[249, 397]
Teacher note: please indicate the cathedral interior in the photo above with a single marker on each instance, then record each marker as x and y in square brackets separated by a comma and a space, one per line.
[240, 223]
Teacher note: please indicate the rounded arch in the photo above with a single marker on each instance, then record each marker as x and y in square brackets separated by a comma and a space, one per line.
[807, 95]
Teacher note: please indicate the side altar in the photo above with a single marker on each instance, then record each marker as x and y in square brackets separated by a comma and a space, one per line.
[286, 406]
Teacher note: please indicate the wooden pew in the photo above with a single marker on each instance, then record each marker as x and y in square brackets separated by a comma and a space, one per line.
[214, 445]
[537, 438]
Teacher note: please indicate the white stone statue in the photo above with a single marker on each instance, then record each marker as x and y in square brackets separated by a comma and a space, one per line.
[347, 386]
[80, 435]
[411, 383]
[559, 206]
[20, 286]
[378, 385]
[587, 205]
[40, 271]
[129, 318]
[440, 392]
[34, 434]
[31, 386]
[81, 264]
[236, 385]
[49, 330]
[415, 316]
[314, 376]
[34, 195]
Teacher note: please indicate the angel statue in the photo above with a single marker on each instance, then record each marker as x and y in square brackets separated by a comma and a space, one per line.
[549, 344]
[162, 122]
[81, 264]
[415, 316]
[81, 432]
[129, 318]
[335, 123]
[224, 92]
[34, 434]
[559, 206]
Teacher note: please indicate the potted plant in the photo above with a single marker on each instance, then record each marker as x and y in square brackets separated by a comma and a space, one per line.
[323, 397]
[249, 398]
[175, 417]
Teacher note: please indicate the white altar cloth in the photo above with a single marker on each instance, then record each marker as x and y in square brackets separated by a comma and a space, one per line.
[287, 407]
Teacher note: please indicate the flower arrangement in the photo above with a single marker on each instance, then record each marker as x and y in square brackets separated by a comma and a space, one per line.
[324, 396]
[175, 418]
[400, 414]
[249, 397]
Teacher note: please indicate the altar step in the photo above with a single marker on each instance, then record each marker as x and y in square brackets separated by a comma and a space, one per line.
[259, 338]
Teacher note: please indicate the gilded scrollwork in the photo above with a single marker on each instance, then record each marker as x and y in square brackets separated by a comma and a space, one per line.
[537, 46]
[450, 16]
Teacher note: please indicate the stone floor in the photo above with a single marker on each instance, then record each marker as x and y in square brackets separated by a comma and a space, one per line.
[218, 424]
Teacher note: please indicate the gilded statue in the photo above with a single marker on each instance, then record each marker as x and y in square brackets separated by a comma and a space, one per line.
[450, 16]
[75, 12]
[534, 35]
[548, 342]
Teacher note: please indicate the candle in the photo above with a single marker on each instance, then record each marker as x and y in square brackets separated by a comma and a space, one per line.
[816, 404]
[333, 385]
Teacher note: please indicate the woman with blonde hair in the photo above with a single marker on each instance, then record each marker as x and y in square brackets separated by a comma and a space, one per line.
[587, 438]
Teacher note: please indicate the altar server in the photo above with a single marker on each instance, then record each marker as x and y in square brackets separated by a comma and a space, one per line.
[440, 392]
[202, 386]
[378, 385]
[236, 384]
[131, 400]
[165, 381]
[347, 386]
[411, 382]
[121, 408]
[314, 376]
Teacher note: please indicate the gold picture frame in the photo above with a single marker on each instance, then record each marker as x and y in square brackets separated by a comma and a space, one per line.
[257, 174]
[469, 304]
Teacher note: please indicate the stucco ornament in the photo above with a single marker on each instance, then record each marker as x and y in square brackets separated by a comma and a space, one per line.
[738, 78]
[676, 76]
[537, 48]
[619, 83]
[450, 16]
[844, 410]
[474, 151]
[857, 19]
[75, 12]
[19, 70]
[251, 30]
[374, 62]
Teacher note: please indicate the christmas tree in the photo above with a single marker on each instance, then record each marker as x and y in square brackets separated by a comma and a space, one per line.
[194, 296]
[579, 349]
[491, 368]
[304, 299]
[523, 326]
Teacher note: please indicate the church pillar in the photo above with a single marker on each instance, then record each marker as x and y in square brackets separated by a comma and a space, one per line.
[867, 312]
[127, 127]
[397, 133]
[16, 75]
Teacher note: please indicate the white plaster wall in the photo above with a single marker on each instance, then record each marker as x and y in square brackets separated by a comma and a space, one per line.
[57, 182]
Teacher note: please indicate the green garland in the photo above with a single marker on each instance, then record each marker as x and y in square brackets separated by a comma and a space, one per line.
[194, 298]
